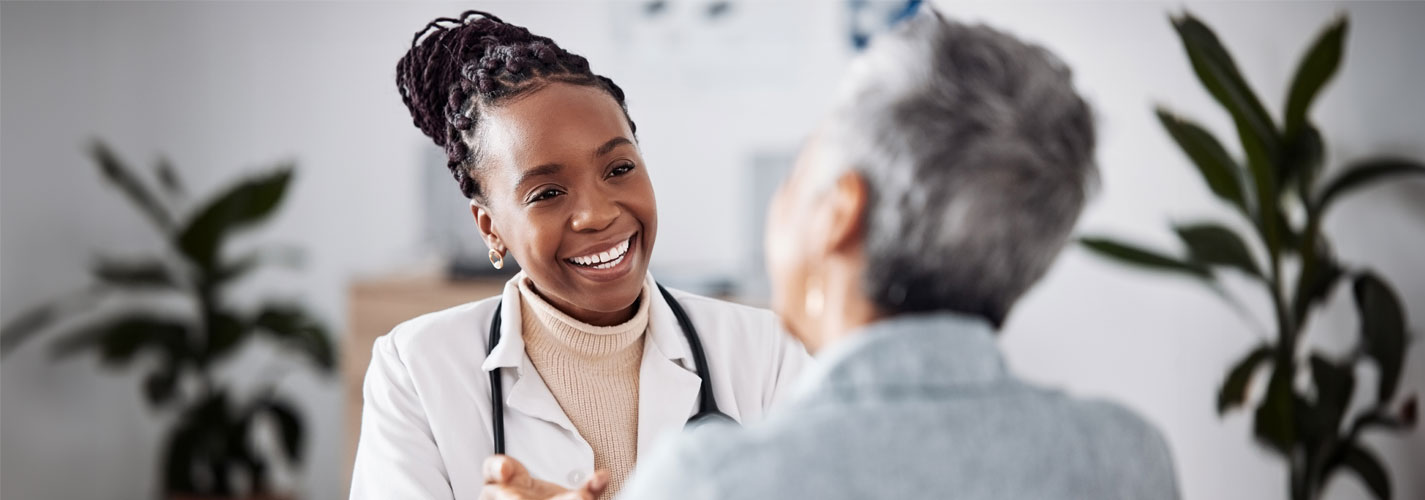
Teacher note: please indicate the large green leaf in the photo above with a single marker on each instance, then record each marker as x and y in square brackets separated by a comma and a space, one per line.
[1316, 284]
[226, 332]
[1305, 153]
[1234, 389]
[245, 204]
[1369, 469]
[120, 339]
[1264, 180]
[1274, 422]
[1290, 238]
[1222, 174]
[168, 177]
[235, 269]
[136, 273]
[122, 176]
[294, 326]
[1383, 330]
[1409, 411]
[1335, 383]
[1213, 244]
[1363, 173]
[1219, 74]
[1312, 74]
[35, 320]
[161, 385]
[1138, 256]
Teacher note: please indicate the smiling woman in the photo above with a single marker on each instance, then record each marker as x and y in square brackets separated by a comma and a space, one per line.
[587, 361]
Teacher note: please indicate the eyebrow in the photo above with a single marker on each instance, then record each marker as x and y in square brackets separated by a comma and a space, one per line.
[608, 147]
[544, 170]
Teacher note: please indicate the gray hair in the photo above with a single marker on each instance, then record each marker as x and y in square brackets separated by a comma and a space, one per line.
[978, 154]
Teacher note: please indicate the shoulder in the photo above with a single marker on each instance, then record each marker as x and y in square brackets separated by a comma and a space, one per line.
[728, 319]
[1114, 423]
[455, 328]
[730, 310]
[1142, 455]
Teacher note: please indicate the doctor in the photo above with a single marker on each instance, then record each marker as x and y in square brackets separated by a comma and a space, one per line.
[584, 362]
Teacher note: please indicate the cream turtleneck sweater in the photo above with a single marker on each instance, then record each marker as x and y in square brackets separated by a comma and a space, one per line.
[593, 373]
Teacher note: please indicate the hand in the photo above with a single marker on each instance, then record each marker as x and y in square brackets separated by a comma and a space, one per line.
[507, 479]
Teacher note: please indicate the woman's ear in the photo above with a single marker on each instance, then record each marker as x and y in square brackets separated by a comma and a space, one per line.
[487, 227]
[848, 199]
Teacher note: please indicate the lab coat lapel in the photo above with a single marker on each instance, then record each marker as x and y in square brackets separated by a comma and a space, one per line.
[667, 383]
[527, 393]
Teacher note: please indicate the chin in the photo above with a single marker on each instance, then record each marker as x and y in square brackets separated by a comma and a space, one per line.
[618, 295]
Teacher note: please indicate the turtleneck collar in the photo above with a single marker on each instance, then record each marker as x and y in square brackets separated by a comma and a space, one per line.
[577, 337]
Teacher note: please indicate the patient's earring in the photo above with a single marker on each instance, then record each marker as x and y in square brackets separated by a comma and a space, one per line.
[815, 300]
[497, 259]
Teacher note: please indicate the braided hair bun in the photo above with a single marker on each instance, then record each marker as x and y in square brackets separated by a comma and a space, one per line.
[457, 67]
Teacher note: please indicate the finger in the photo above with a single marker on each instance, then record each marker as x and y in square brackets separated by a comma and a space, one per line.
[596, 485]
[493, 470]
[497, 492]
[579, 494]
[498, 469]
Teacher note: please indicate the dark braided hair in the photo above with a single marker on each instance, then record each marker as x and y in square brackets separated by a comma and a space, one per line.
[457, 67]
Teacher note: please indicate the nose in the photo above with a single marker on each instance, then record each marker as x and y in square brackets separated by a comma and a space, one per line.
[595, 212]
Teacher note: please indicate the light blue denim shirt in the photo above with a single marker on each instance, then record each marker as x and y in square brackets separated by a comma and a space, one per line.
[917, 406]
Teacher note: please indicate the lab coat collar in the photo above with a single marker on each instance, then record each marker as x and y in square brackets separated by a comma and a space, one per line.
[668, 383]
[663, 329]
[509, 353]
[527, 394]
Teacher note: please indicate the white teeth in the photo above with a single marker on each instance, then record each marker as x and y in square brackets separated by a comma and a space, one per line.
[610, 264]
[604, 259]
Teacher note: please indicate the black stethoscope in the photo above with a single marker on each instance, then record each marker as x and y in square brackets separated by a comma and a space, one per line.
[707, 404]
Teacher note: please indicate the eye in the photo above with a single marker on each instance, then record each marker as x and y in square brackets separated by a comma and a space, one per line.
[621, 169]
[546, 194]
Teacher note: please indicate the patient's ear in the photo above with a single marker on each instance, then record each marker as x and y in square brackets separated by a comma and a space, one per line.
[847, 199]
[488, 232]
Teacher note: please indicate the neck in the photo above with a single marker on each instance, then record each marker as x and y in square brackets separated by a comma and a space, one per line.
[592, 317]
[848, 310]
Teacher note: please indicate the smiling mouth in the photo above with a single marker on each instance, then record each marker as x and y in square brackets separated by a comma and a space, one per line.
[605, 259]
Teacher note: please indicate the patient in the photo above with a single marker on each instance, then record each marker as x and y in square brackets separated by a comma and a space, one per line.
[939, 190]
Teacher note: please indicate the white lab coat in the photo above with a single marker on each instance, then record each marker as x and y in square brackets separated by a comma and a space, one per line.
[426, 422]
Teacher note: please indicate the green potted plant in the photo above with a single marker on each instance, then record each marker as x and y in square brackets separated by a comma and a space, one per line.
[210, 450]
[1276, 191]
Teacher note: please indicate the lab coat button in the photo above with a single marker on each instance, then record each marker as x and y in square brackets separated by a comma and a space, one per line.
[574, 478]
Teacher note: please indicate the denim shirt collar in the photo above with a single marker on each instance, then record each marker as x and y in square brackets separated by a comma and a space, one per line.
[906, 351]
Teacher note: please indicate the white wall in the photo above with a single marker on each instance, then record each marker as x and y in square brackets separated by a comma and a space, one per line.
[1162, 344]
[223, 88]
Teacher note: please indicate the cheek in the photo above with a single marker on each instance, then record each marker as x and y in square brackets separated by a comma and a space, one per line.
[538, 241]
[645, 208]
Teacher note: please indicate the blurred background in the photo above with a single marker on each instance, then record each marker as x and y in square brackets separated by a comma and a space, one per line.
[370, 227]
